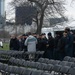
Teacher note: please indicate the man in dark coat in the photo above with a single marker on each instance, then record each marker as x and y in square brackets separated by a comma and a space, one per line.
[43, 42]
[14, 43]
[24, 48]
[74, 45]
[50, 47]
[69, 43]
[38, 46]
[61, 46]
[56, 41]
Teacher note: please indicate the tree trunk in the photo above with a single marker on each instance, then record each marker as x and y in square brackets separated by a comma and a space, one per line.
[15, 29]
[23, 29]
[39, 27]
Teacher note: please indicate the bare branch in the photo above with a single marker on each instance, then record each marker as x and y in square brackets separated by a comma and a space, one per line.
[45, 8]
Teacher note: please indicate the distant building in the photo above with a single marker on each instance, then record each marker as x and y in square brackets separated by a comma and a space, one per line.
[2, 7]
[2, 12]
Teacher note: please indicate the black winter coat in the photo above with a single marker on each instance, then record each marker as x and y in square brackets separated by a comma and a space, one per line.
[42, 44]
[14, 44]
[50, 43]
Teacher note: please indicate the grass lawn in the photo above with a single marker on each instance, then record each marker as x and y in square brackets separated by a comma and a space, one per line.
[5, 46]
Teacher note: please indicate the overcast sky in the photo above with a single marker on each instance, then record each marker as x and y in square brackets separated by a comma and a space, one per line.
[70, 9]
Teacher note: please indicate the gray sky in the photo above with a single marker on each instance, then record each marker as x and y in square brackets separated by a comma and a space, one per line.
[70, 9]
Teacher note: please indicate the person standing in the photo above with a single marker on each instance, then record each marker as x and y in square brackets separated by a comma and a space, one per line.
[61, 46]
[50, 47]
[19, 39]
[69, 43]
[31, 42]
[43, 42]
[23, 38]
[74, 44]
[14, 43]
[56, 41]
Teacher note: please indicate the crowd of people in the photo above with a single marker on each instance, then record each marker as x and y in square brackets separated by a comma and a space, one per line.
[54, 47]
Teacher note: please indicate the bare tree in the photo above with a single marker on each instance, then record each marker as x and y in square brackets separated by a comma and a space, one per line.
[45, 8]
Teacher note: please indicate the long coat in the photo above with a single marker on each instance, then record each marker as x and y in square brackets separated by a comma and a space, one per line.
[50, 49]
[61, 48]
[42, 42]
[14, 44]
[69, 45]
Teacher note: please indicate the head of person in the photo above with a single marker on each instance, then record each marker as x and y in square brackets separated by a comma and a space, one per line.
[24, 36]
[57, 34]
[19, 37]
[34, 34]
[64, 34]
[43, 35]
[29, 33]
[38, 36]
[13, 36]
[67, 29]
[49, 35]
